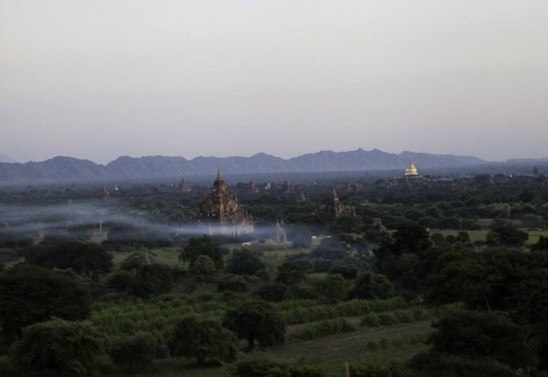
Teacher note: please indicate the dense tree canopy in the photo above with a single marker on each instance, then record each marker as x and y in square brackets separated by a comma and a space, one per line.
[57, 348]
[480, 340]
[133, 350]
[203, 339]
[256, 321]
[244, 261]
[202, 246]
[82, 257]
[30, 294]
[370, 285]
[153, 279]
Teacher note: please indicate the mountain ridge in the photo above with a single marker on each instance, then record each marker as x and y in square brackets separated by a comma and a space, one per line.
[70, 169]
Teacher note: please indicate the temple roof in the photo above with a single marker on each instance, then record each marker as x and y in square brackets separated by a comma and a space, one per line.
[219, 185]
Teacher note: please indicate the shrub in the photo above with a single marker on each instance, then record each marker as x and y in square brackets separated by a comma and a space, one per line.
[262, 366]
[386, 319]
[403, 316]
[134, 350]
[232, 283]
[119, 281]
[372, 286]
[370, 319]
[324, 328]
[420, 314]
[136, 260]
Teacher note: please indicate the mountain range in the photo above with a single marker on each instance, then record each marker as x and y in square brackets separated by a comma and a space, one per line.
[68, 169]
[4, 158]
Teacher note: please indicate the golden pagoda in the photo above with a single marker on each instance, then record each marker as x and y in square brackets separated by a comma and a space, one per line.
[411, 170]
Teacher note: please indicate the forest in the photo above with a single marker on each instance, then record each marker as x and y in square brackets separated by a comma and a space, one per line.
[433, 276]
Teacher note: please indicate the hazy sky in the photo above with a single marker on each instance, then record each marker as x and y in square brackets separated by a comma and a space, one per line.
[101, 78]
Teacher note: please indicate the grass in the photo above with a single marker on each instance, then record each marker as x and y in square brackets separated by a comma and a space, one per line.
[475, 235]
[164, 255]
[399, 343]
[534, 236]
[380, 345]
[165, 368]
[480, 235]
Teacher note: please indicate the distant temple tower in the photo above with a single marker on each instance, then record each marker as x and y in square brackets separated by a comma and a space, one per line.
[220, 211]
[252, 187]
[184, 186]
[281, 233]
[411, 170]
[286, 187]
[334, 207]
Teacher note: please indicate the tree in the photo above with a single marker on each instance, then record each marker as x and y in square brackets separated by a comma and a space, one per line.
[153, 279]
[82, 257]
[469, 341]
[330, 248]
[333, 287]
[506, 235]
[290, 273]
[126, 234]
[542, 244]
[31, 294]
[204, 266]
[439, 365]
[245, 262]
[256, 321]
[202, 338]
[57, 346]
[483, 335]
[410, 238]
[516, 282]
[370, 285]
[136, 260]
[202, 246]
[300, 235]
[133, 350]
[120, 281]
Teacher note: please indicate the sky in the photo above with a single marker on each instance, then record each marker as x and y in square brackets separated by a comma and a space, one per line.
[97, 79]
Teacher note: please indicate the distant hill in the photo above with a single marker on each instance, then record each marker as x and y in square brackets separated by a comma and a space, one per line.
[4, 158]
[68, 169]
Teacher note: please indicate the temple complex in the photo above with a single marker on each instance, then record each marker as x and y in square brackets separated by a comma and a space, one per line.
[220, 211]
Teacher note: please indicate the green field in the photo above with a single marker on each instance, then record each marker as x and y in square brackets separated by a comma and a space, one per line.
[378, 345]
[480, 235]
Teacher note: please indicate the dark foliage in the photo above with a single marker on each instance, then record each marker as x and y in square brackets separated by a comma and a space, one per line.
[153, 279]
[202, 246]
[57, 348]
[245, 262]
[30, 294]
[203, 339]
[256, 321]
[82, 257]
